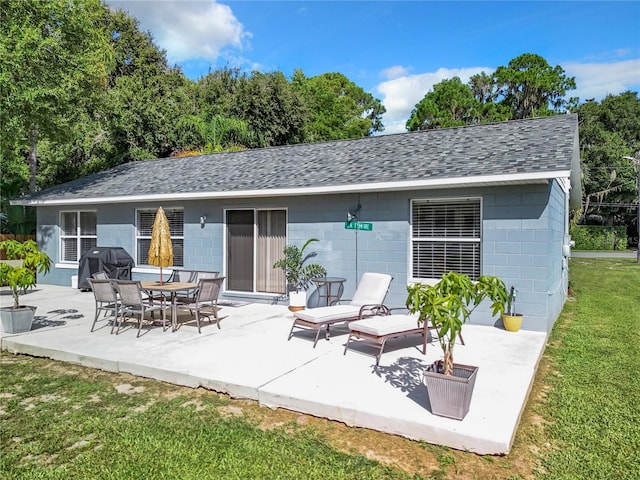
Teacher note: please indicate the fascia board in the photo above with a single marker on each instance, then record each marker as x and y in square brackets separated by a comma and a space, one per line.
[486, 180]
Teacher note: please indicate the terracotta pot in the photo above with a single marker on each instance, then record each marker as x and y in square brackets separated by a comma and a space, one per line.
[297, 301]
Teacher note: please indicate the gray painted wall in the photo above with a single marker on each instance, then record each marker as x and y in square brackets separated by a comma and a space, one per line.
[523, 233]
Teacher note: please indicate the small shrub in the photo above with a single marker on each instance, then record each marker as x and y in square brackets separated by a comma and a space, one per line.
[596, 237]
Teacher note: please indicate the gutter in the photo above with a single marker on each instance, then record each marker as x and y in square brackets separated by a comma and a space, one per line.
[475, 181]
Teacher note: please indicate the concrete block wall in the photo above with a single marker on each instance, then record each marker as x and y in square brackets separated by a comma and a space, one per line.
[523, 228]
[519, 245]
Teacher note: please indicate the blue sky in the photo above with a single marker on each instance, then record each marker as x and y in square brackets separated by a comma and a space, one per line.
[398, 50]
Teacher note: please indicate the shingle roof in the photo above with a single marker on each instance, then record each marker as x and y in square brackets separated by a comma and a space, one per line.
[541, 146]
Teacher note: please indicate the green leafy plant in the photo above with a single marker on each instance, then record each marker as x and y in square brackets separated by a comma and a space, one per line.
[298, 274]
[449, 303]
[19, 278]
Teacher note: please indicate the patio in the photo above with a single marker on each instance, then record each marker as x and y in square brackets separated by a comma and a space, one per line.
[250, 357]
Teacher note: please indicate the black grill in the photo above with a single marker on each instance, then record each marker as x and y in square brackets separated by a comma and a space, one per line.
[114, 261]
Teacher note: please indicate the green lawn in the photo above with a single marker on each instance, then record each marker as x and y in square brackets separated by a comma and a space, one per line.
[62, 421]
[594, 398]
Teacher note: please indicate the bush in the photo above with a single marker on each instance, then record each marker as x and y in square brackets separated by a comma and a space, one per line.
[596, 237]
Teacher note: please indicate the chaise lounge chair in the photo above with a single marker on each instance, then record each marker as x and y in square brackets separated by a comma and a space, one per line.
[377, 330]
[367, 299]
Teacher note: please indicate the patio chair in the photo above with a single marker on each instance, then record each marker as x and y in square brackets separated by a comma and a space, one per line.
[198, 275]
[376, 330]
[181, 275]
[106, 301]
[101, 275]
[178, 275]
[134, 304]
[206, 300]
[367, 300]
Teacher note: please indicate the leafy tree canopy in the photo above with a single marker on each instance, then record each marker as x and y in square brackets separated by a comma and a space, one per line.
[527, 87]
[609, 131]
[530, 87]
[54, 57]
[338, 107]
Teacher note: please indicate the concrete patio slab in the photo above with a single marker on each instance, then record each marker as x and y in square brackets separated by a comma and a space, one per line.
[250, 357]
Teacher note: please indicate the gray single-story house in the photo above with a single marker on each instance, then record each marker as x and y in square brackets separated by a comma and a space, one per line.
[485, 199]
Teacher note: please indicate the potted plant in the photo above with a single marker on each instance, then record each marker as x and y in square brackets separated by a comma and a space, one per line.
[298, 273]
[448, 305]
[20, 276]
[512, 321]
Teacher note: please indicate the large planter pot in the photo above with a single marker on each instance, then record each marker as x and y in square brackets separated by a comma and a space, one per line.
[512, 323]
[297, 301]
[17, 320]
[450, 395]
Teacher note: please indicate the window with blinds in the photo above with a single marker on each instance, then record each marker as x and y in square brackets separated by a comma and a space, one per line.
[144, 225]
[78, 234]
[445, 236]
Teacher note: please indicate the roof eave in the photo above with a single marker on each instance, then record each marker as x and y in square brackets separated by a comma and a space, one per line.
[438, 183]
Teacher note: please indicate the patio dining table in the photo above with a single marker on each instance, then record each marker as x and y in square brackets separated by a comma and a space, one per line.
[172, 288]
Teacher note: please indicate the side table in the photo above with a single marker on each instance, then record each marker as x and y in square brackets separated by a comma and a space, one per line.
[327, 293]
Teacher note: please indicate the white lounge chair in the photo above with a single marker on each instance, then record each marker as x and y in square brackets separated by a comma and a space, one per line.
[367, 300]
[377, 330]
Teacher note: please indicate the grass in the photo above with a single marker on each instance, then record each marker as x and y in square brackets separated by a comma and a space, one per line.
[594, 400]
[63, 421]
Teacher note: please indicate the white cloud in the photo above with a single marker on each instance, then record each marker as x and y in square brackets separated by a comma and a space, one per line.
[400, 95]
[597, 80]
[594, 80]
[188, 29]
[395, 72]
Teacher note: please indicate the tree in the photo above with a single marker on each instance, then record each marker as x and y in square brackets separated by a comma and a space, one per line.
[147, 97]
[338, 107]
[218, 91]
[609, 131]
[55, 57]
[530, 87]
[200, 134]
[450, 104]
[268, 103]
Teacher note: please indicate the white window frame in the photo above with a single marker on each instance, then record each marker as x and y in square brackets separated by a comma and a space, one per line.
[78, 235]
[473, 237]
[143, 262]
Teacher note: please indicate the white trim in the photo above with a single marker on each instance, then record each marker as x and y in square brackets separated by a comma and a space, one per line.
[68, 266]
[480, 180]
[137, 237]
[565, 184]
[78, 236]
[412, 239]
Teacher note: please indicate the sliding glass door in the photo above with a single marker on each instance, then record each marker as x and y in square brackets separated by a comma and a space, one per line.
[255, 240]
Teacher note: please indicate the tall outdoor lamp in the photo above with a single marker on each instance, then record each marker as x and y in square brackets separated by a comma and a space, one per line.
[637, 160]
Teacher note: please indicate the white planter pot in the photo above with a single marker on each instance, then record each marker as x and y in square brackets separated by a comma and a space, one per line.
[17, 320]
[297, 301]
